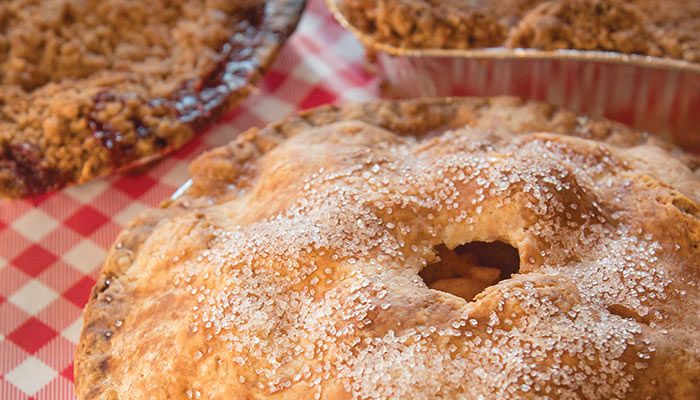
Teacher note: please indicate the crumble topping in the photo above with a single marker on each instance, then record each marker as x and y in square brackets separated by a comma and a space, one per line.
[664, 29]
[89, 87]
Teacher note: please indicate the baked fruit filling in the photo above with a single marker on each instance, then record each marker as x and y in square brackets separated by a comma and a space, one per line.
[467, 270]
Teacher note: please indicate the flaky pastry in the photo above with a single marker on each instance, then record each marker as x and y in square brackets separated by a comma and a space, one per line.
[451, 248]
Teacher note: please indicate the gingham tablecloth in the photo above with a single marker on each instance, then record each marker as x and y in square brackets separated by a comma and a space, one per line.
[51, 247]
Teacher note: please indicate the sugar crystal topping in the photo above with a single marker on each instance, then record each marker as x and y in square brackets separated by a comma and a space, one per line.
[327, 289]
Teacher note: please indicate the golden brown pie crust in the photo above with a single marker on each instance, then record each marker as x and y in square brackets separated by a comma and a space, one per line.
[650, 27]
[289, 269]
[90, 87]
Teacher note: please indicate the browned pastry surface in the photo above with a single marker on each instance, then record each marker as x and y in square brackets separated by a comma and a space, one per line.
[314, 258]
[659, 28]
[92, 86]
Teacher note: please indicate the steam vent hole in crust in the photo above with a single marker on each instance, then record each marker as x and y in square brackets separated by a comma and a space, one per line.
[468, 269]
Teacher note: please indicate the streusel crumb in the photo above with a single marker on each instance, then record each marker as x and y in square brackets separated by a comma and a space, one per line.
[665, 29]
[89, 87]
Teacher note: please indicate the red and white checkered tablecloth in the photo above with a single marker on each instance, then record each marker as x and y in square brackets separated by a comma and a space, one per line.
[51, 247]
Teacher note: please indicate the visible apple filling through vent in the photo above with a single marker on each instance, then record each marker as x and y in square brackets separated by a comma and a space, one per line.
[467, 270]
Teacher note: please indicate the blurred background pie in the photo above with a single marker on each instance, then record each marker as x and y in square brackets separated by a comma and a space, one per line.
[90, 87]
[657, 28]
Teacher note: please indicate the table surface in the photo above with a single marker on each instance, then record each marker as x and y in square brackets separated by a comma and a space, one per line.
[51, 247]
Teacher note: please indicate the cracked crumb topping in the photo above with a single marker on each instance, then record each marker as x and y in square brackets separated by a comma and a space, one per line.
[89, 87]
